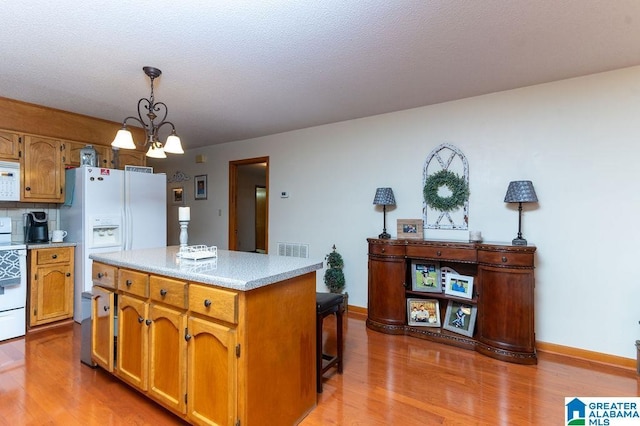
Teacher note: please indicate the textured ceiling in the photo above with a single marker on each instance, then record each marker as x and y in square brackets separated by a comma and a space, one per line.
[239, 69]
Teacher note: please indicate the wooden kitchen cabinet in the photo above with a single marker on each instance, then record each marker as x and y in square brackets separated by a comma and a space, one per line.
[206, 352]
[503, 293]
[42, 170]
[71, 154]
[50, 285]
[9, 145]
[130, 157]
[103, 310]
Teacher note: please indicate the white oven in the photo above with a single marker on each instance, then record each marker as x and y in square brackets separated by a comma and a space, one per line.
[13, 284]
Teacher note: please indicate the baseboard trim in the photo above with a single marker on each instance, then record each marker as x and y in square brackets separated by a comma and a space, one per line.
[585, 355]
[568, 352]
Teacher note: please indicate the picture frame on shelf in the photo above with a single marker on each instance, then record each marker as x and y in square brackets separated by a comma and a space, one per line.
[423, 312]
[425, 276]
[460, 318]
[410, 229]
[459, 286]
[178, 195]
[200, 187]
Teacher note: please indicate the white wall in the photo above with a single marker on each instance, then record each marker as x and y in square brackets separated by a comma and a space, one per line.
[577, 140]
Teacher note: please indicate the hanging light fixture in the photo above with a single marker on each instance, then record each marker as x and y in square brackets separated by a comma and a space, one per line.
[149, 107]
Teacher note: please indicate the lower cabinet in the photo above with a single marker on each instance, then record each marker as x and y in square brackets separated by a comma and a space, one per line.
[50, 285]
[103, 326]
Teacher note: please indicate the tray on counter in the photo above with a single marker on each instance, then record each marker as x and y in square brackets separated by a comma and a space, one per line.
[198, 252]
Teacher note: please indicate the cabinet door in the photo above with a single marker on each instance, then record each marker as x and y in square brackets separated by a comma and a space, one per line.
[102, 330]
[211, 376]
[53, 291]
[168, 356]
[42, 170]
[131, 158]
[505, 309]
[71, 154]
[9, 145]
[387, 303]
[133, 340]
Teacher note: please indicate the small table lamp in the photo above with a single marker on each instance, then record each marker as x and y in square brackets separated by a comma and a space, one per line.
[384, 197]
[520, 191]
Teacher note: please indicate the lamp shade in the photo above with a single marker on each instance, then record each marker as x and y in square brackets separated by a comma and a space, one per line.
[156, 151]
[520, 191]
[384, 197]
[123, 139]
[173, 144]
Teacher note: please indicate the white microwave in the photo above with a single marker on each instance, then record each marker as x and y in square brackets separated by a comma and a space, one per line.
[9, 181]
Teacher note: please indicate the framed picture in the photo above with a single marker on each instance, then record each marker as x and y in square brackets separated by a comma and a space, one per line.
[425, 276]
[423, 312]
[178, 195]
[410, 229]
[460, 318]
[459, 286]
[200, 190]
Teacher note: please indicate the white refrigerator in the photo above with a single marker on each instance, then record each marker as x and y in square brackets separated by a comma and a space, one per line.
[110, 210]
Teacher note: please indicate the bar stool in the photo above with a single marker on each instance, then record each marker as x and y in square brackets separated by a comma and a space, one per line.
[328, 304]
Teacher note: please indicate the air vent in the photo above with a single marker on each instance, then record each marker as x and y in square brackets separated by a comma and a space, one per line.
[293, 250]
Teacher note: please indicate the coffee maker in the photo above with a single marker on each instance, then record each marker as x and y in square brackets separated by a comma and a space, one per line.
[36, 227]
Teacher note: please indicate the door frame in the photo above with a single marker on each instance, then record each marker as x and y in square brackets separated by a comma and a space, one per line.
[233, 199]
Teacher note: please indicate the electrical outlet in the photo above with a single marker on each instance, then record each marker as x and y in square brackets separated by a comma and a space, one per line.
[284, 194]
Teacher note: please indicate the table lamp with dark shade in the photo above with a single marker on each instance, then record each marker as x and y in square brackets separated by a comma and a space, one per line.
[384, 197]
[520, 191]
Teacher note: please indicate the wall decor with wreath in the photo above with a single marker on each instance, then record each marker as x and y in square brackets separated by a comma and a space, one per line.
[446, 189]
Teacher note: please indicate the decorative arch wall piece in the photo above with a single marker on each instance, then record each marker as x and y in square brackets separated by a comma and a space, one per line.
[445, 189]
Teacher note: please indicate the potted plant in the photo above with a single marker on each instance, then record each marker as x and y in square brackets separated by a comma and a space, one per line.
[333, 276]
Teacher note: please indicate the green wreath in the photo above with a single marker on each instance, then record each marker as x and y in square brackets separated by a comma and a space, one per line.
[457, 185]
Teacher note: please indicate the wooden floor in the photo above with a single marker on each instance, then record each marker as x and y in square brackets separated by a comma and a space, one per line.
[387, 380]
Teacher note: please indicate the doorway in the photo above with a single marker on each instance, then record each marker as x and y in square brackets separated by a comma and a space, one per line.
[249, 205]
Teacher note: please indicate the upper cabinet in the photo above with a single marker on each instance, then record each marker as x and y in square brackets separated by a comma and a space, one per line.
[42, 170]
[71, 154]
[9, 145]
[130, 157]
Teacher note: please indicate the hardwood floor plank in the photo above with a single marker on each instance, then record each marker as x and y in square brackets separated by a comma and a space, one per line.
[387, 380]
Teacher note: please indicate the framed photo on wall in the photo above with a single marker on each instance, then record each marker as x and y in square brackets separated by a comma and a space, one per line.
[460, 318]
[423, 312]
[178, 195]
[200, 189]
[459, 286]
[425, 276]
[410, 229]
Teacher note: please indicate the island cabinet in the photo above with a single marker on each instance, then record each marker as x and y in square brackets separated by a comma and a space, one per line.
[501, 302]
[208, 353]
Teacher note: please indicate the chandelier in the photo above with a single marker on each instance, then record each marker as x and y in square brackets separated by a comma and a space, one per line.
[149, 108]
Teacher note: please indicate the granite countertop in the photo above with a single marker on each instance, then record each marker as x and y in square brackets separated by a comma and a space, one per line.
[231, 269]
[31, 246]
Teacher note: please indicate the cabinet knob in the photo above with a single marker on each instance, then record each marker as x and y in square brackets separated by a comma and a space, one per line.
[100, 275]
[28, 188]
[207, 303]
[163, 292]
[68, 274]
[438, 253]
[128, 283]
[55, 256]
[106, 308]
[187, 337]
[504, 259]
[140, 319]
[383, 250]
[148, 322]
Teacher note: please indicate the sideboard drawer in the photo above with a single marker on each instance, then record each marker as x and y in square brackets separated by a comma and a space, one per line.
[441, 253]
[506, 258]
[169, 291]
[214, 302]
[54, 255]
[387, 249]
[103, 275]
[133, 282]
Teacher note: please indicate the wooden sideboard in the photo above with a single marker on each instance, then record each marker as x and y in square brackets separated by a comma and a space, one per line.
[503, 293]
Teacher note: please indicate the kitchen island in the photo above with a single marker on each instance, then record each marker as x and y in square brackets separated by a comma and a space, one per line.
[228, 340]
